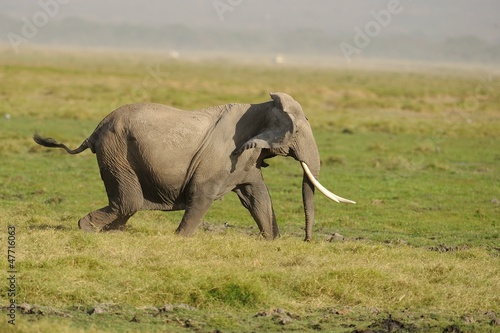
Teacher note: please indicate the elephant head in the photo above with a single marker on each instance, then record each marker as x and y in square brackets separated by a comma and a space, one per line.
[288, 133]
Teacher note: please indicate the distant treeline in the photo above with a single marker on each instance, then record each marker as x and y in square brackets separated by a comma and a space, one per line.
[79, 32]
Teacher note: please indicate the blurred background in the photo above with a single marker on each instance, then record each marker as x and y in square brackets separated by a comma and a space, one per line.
[461, 31]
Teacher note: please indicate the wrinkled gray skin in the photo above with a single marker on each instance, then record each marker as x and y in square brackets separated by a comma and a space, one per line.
[155, 157]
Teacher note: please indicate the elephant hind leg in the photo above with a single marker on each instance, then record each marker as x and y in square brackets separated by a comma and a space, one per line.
[124, 196]
[104, 219]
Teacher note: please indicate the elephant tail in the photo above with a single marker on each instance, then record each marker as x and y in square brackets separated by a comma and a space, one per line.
[51, 143]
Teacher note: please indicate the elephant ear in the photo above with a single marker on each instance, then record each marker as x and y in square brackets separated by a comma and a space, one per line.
[285, 102]
[280, 127]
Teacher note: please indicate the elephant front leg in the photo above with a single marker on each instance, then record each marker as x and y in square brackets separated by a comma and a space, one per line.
[193, 215]
[255, 197]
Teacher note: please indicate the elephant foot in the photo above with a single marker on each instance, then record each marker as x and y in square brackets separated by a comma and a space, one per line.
[269, 237]
[86, 225]
[185, 232]
[117, 225]
[104, 219]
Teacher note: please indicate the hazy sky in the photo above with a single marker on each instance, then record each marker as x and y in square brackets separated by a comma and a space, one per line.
[431, 18]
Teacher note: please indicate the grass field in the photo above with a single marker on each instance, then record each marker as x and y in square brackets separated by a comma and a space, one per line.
[418, 150]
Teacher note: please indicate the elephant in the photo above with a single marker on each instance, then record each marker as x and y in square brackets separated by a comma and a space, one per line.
[155, 157]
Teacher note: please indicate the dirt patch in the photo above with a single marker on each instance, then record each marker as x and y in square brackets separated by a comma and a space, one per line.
[38, 310]
[109, 308]
[336, 237]
[388, 325]
[452, 329]
[215, 228]
[279, 315]
[446, 248]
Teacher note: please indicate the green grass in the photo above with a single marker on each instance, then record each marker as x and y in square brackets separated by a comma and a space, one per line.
[418, 151]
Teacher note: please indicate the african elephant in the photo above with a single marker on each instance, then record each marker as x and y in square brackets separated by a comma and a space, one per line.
[155, 157]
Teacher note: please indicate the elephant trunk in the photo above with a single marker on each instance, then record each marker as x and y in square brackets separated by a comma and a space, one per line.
[309, 157]
[308, 199]
[311, 167]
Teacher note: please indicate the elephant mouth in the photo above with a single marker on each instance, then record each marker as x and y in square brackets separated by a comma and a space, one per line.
[321, 188]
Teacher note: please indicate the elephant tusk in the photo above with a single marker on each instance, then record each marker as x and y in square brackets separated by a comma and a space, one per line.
[321, 188]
